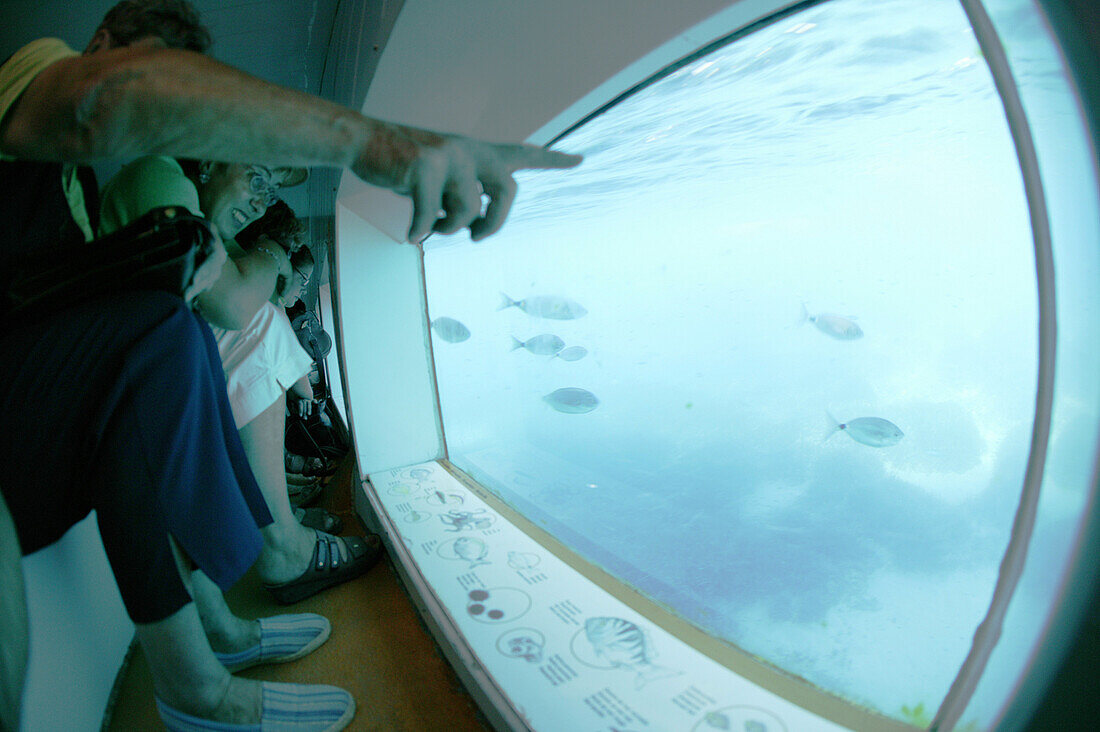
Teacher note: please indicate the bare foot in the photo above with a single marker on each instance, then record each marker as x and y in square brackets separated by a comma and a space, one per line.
[288, 552]
[243, 635]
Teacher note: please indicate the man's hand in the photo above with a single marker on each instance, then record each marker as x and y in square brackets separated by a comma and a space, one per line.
[446, 176]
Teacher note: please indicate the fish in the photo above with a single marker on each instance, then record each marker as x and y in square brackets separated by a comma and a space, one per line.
[573, 353]
[546, 344]
[450, 329]
[572, 400]
[839, 327]
[623, 644]
[472, 550]
[871, 431]
[545, 306]
[755, 725]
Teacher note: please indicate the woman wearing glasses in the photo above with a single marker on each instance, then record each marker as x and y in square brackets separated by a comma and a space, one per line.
[261, 358]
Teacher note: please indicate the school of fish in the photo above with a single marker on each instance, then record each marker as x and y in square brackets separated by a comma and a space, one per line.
[870, 431]
[567, 400]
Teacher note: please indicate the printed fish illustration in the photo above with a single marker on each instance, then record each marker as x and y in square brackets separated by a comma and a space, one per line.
[623, 644]
[522, 560]
[450, 329]
[839, 327]
[717, 720]
[573, 353]
[754, 725]
[572, 400]
[420, 473]
[472, 550]
[545, 306]
[871, 431]
[546, 344]
[461, 520]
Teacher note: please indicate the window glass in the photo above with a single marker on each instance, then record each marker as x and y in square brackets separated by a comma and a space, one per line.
[1066, 161]
[769, 354]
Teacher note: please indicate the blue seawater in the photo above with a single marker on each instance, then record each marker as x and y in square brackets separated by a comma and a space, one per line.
[852, 159]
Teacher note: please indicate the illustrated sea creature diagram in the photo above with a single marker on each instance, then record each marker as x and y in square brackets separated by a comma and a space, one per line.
[439, 498]
[522, 560]
[460, 520]
[740, 718]
[497, 604]
[622, 644]
[472, 550]
[525, 643]
[871, 431]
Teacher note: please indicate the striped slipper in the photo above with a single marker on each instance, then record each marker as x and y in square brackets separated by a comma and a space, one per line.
[286, 708]
[282, 638]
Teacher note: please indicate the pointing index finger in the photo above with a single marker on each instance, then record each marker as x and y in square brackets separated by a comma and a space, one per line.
[534, 156]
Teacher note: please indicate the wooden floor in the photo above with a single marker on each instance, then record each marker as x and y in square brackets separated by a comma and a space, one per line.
[378, 651]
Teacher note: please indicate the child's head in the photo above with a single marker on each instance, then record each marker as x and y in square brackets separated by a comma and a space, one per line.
[301, 262]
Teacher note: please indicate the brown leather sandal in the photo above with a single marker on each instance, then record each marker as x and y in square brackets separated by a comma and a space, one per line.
[327, 568]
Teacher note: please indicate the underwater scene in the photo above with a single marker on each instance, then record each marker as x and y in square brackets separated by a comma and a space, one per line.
[770, 354]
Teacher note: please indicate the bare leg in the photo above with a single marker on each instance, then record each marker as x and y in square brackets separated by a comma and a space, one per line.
[288, 546]
[225, 632]
[186, 674]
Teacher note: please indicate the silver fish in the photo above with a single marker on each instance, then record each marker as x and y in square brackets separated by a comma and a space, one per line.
[871, 431]
[572, 400]
[450, 329]
[623, 644]
[472, 550]
[573, 353]
[839, 327]
[545, 306]
[546, 344]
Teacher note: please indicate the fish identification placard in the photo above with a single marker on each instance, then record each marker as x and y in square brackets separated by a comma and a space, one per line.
[568, 655]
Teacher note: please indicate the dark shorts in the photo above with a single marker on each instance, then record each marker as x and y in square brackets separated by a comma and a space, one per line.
[119, 406]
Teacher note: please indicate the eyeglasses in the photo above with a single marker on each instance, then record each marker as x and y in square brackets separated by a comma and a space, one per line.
[305, 278]
[260, 183]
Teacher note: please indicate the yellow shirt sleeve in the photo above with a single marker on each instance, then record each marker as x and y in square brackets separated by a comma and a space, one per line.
[25, 64]
[15, 76]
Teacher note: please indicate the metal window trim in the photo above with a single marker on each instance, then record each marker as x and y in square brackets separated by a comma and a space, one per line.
[1012, 564]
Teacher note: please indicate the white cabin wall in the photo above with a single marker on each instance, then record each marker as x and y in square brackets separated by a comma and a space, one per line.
[79, 633]
[382, 336]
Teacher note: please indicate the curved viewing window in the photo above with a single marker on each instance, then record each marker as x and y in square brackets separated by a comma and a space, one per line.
[822, 219]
